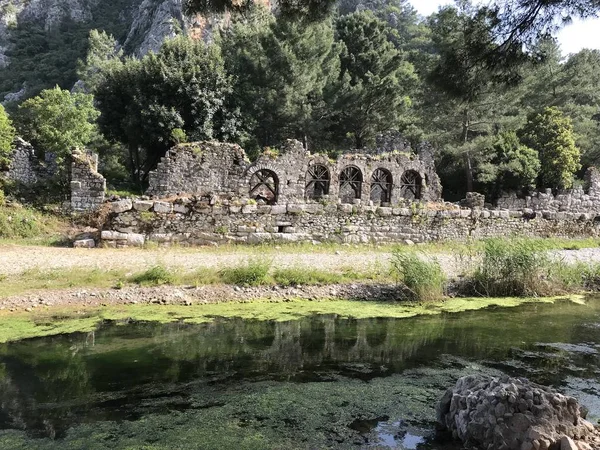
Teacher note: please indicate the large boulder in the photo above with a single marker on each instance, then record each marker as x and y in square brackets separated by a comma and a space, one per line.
[491, 413]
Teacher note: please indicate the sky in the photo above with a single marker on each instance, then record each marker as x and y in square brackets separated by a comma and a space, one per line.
[578, 35]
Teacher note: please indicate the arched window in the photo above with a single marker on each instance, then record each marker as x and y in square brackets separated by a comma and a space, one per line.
[381, 186]
[317, 182]
[410, 185]
[264, 186]
[350, 184]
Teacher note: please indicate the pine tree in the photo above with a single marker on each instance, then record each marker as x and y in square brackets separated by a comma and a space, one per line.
[375, 81]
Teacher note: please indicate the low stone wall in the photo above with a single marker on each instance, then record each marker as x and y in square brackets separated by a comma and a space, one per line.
[584, 199]
[189, 221]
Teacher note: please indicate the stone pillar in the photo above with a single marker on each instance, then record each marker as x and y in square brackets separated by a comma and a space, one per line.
[87, 185]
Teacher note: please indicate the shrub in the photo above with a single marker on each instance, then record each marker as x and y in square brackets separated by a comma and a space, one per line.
[253, 273]
[423, 279]
[513, 267]
[156, 275]
[294, 276]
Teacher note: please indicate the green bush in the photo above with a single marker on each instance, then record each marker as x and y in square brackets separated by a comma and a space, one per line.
[294, 276]
[515, 267]
[253, 273]
[423, 279]
[156, 275]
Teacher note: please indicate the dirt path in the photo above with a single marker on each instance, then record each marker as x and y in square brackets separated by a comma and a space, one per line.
[16, 259]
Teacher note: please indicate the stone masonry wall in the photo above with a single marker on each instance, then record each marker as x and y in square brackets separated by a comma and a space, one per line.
[190, 221]
[584, 199]
[25, 167]
[87, 185]
[220, 171]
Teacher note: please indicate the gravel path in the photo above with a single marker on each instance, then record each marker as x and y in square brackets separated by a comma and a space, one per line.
[15, 259]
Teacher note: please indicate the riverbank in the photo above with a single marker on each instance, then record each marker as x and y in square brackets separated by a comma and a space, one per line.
[82, 311]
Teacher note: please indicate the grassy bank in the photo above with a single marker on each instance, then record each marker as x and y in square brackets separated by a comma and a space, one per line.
[253, 272]
[57, 320]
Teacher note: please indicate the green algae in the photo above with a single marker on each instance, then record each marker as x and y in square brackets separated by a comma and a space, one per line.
[59, 320]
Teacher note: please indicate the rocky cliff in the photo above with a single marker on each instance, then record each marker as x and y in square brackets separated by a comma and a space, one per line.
[41, 40]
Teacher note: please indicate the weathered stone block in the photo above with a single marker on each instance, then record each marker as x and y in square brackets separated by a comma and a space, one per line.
[249, 209]
[84, 243]
[136, 240]
[163, 207]
[296, 209]
[278, 209]
[113, 236]
[180, 209]
[121, 205]
[384, 211]
[142, 205]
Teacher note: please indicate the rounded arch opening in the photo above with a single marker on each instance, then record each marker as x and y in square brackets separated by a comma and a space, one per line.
[317, 182]
[411, 184]
[264, 186]
[351, 180]
[381, 186]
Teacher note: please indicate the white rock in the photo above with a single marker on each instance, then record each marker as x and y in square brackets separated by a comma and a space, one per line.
[84, 243]
[163, 207]
[121, 205]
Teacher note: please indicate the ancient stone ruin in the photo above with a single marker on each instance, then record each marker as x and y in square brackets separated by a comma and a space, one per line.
[208, 193]
[87, 185]
[583, 199]
[222, 173]
[506, 413]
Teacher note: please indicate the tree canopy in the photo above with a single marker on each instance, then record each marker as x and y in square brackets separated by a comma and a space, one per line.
[56, 120]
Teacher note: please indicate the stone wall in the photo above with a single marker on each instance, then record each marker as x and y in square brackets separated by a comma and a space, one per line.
[25, 167]
[193, 221]
[87, 185]
[222, 172]
[584, 199]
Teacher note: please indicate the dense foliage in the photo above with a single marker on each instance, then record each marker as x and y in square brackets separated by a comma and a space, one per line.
[57, 120]
[182, 87]
[7, 136]
[502, 115]
[551, 134]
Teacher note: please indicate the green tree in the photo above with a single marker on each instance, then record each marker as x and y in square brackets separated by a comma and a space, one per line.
[103, 55]
[375, 80]
[511, 167]
[56, 121]
[7, 136]
[464, 100]
[551, 134]
[282, 70]
[183, 86]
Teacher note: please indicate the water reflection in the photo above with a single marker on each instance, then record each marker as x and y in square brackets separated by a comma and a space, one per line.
[127, 371]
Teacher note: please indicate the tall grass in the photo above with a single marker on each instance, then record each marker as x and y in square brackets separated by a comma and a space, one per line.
[511, 268]
[253, 273]
[157, 275]
[423, 278]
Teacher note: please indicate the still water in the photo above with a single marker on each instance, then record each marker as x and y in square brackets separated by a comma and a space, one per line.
[317, 382]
